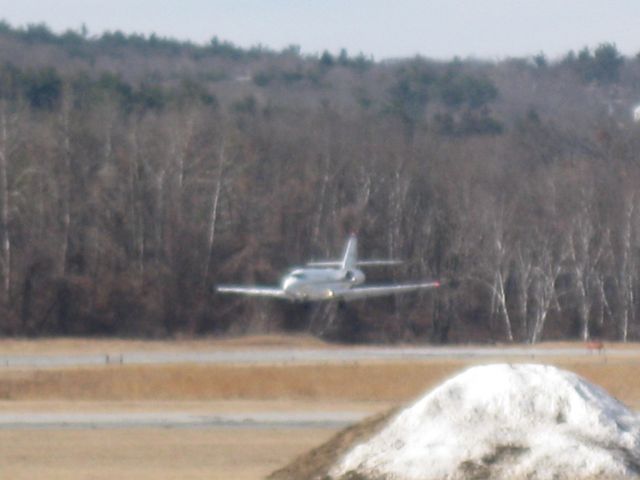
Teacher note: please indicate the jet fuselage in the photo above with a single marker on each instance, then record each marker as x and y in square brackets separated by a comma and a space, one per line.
[320, 283]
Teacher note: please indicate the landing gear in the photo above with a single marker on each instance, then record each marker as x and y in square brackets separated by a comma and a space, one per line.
[323, 315]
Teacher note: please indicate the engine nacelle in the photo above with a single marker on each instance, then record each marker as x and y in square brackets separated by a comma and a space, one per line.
[354, 276]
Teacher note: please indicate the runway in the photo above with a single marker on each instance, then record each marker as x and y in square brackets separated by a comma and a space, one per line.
[269, 356]
[127, 420]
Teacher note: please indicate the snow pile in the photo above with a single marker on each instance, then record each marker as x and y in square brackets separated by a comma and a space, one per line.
[504, 422]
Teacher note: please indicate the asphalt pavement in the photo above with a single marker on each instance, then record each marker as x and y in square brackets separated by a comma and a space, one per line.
[257, 420]
[267, 356]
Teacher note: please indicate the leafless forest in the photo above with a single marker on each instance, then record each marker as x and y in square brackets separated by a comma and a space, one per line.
[138, 172]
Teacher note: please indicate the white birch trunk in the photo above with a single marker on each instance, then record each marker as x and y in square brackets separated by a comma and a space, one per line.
[626, 273]
[502, 303]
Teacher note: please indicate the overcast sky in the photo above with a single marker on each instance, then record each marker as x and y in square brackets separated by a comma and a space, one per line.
[490, 29]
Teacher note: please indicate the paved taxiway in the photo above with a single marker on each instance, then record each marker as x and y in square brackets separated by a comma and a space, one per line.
[262, 356]
[257, 420]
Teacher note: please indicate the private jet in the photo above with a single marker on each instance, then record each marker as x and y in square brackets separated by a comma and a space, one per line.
[330, 280]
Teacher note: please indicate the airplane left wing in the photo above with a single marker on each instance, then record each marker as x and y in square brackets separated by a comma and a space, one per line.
[379, 290]
[253, 291]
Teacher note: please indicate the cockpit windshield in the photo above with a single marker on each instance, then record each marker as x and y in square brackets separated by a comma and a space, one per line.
[298, 275]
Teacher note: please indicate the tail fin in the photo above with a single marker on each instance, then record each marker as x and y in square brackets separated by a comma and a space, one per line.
[350, 258]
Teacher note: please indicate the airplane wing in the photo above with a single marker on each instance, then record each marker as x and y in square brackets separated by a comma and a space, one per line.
[252, 290]
[379, 290]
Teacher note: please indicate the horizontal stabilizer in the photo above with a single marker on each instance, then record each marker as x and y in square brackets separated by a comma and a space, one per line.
[359, 263]
[378, 263]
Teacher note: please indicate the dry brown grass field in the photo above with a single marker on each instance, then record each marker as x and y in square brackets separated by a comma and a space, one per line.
[145, 453]
[151, 454]
[396, 381]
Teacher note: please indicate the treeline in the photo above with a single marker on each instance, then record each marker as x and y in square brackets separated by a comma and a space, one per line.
[124, 202]
[44, 90]
[80, 43]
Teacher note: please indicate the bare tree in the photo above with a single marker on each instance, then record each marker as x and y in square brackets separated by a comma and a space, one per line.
[523, 272]
[627, 278]
[213, 212]
[546, 272]
[588, 249]
[66, 182]
[136, 214]
[5, 152]
[497, 262]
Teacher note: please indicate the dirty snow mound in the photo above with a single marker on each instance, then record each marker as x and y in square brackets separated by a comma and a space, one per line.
[504, 422]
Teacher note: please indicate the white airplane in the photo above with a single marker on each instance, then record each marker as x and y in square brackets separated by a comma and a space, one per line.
[329, 280]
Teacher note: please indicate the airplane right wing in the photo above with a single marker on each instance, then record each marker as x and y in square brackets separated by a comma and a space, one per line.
[252, 290]
[379, 290]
